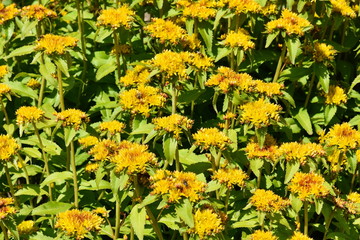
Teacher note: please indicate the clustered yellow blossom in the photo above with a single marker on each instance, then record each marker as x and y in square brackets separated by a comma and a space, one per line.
[8, 12]
[240, 38]
[268, 89]
[174, 124]
[323, 52]
[290, 22]
[299, 236]
[3, 70]
[26, 227]
[268, 201]
[211, 137]
[37, 11]
[141, 100]
[351, 204]
[72, 117]
[230, 177]
[294, 151]
[243, 6]
[121, 49]
[171, 63]
[115, 18]
[92, 167]
[343, 136]
[4, 89]
[343, 8]
[165, 31]
[138, 75]
[88, 141]
[207, 223]
[260, 113]
[308, 185]
[228, 80]
[33, 84]
[199, 61]
[78, 223]
[335, 96]
[5, 208]
[262, 235]
[104, 149]
[112, 127]
[101, 211]
[177, 185]
[55, 44]
[269, 9]
[202, 9]
[269, 151]
[8, 147]
[26, 115]
[132, 157]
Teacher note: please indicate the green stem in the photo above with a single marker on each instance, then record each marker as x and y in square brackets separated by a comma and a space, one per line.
[11, 186]
[279, 64]
[4, 230]
[306, 218]
[23, 164]
[61, 90]
[328, 223]
[177, 160]
[117, 218]
[227, 200]
[73, 166]
[174, 98]
[185, 236]
[117, 54]
[79, 8]
[41, 91]
[310, 89]
[353, 178]
[4, 111]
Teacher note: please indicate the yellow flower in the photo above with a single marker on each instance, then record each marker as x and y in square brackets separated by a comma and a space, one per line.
[268, 89]
[174, 124]
[26, 115]
[207, 223]
[202, 9]
[115, 18]
[228, 80]
[308, 185]
[171, 63]
[165, 31]
[141, 100]
[294, 151]
[132, 157]
[268, 201]
[33, 84]
[290, 22]
[262, 235]
[300, 236]
[37, 11]
[112, 127]
[88, 141]
[354, 197]
[230, 177]
[270, 9]
[177, 185]
[200, 61]
[55, 44]
[343, 8]
[7, 13]
[343, 136]
[211, 137]
[78, 223]
[104, 150]
[139, 75]
[3, 69]
[269, 151]
[336, 95]
[8, 147]
[121, 49]
[92, 167]
[244, 6]
[240, 38]
[72, 117]
[5, 208]
[260, 113]
[101, 211]
[4, 89]
[323, 52]
[26, 227]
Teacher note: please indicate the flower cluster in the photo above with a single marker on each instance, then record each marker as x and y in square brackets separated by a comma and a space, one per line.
[33, 84]
[243, 6]
[343, 8]
[294, 151]
[8, 147]
[112, 127]
[5, 206]
[38, 12]
[138, 75]
[299, 236]
[202, 9]
[323, 52]
[207, 223]
[343, 136]
[230, 177]
[88, 141]
[308, 186]
[240, 38]
[52, 44]
[335, 96]
[31, 114]
[104, 150]
[269, 151]
[115, 18]
[174, 124]
[262, 235]
[8, 12]
[268, 201]
[4, 89]
[165, 31]
[3, 70]
[72, 117]
[26, 227]
[211, 137]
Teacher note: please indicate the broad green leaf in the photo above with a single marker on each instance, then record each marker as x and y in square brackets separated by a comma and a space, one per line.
[143, 128]
[190, 95]
[319, 203]
[57, 177]
[149, 199]
[208, 36]
[52, 208]
[31, 152]
[160, 3]
[20, 51]
[291, 169]
[219, 14]
[105, 70]
[355, 121]
[354, 83]
[11, 226]
[31, 190]
[270, 38]
[69, 134]
[323, 74]
[63, 66]
[256, 165]
[213, 186]
[304, 119]
[293, 45]
[260, 135]
[296, 203]
[288, 98]
[22, 90]
[138, 219]
[184, 211]
[170, 220]
[169, 148]
[330, 111]
[221, 53]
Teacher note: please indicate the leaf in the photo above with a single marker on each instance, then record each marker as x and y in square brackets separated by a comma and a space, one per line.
[137, 219]
[21, 51]
[296, 203]
[169, 147]
[105, 70]
[355, 120]
[260, 135]
[11, 226]
[184, 211]
[63, 66]
[304, 119]
[69, 134]
[221, 53]
[293, 46]
[255, 166]
[208, 36]
[270, 38]
[170, 220]
[190, 95]
[219, 14]
[149, 199]
[22, 90]
[31, 190]
[354, 83]
[330, 111]
[58, 177]
[291, 169]
[323, 74]
[288, 98]
[52, 208]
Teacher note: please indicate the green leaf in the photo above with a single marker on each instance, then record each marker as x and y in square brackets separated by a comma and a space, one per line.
[24, 50]
[354, 83]
[260, 135]
[52, 208]
[288, 98]
[293, 45]
[291, 169]
[208, 36]
[330, 111]
[219, 14]
[221, 53]
[355, 120]
[304, 119]
[11, 226]
[184, 211]
[105, 70]
[22, 90]
[190, 95]
[69, 134]
[256, 165]
[31, 190]
[296, 203]
[63, 66]
[149, 199]
[160, 3]
[58, 177]
[170, 220]
[137, 219]
[169, 147]
[323, 74]
[270, 38]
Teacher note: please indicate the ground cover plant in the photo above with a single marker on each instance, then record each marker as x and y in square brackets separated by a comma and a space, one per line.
[179, 119]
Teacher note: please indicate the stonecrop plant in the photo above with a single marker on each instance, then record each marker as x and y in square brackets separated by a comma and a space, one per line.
[180, 119]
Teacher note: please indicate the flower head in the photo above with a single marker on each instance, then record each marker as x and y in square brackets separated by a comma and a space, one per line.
[202, 9]
[323, 52]
[115, 18]
[260, 113]
[262, 235]
[26, 227]
[37, 11]
[244, 6]
[174, 124]
[177, 185]
[268, 201]
[211, 137]
[240, 38]
[92, 167]
[299, 236]
[294, 151]
[33, 84]
[31, 114]
[8, 12]
[72, 117]
[5, 208]
[4, 89]
[78, 223]
[141, 100]
[343, 136]
[200, 61]
[139, 75]
[171, 63]
[207, 223]
[88, 141]
[3, 70]
[335, 96]
[269, 151]
[112, 127]
[104, 150]
[268, 89]
[230, 177]
[165, 31]
[8, 147]
[343, 8]
[308, 185]
[52, 44]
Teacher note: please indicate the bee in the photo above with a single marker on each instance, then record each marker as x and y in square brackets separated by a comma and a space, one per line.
[139, 95]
